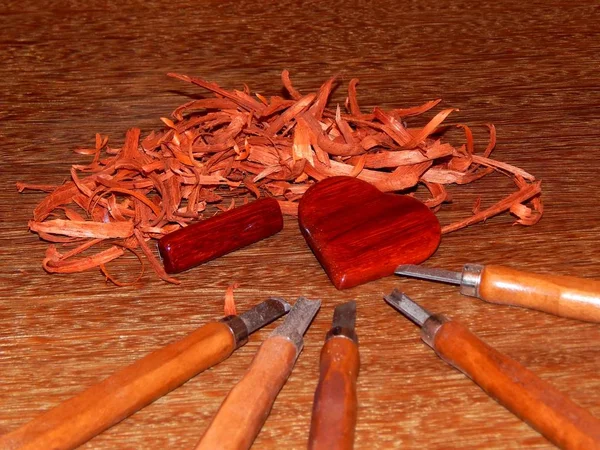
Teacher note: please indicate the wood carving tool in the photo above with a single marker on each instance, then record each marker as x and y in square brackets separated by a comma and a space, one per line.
[219, 235]
[533, 400]
[335, 403]
[86, 415]
[576, 298]
[360, 234]
[247, 406]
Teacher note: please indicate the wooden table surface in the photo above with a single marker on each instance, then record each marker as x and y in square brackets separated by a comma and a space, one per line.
[70, 70]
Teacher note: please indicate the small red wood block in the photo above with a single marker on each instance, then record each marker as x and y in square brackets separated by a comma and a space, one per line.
[219, 235]
[360, 234]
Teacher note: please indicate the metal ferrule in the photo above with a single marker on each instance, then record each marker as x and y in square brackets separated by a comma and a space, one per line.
[430, 328]
[471, 279]
[342, 332]
[238, 329]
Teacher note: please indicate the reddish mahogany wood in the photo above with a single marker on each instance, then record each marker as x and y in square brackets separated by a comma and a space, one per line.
[219, 235]
[360, 234]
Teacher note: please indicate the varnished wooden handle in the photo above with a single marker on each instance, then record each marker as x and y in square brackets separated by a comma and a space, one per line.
[576, 298]
[531, 399]
[335, 403]
[86, 415]
[247, 406]
[219, 235]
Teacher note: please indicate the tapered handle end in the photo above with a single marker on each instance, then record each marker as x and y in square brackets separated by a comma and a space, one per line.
[572, 297]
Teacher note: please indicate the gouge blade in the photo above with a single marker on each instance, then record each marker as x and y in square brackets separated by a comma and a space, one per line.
[406, 306]
[264, 313]
[427, 273]
[344, 315]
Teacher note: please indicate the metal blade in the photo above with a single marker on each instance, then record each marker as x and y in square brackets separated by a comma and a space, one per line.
[264, 313]
[344, 315]
[406, 306]
[298, 320]
[426, 273]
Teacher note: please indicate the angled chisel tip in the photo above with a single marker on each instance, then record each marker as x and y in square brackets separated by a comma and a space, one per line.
[282, 303]
[344, 315]
[429, 273]
[298, 320]
[264, 313]
[406, 306]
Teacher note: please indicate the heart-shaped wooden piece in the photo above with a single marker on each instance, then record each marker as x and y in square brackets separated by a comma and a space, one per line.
[360, 234]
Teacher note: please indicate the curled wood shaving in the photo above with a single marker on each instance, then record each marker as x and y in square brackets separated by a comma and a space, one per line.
[231, 145]
[54, 262]
[86, 228]
[513, 202]
[229, 307]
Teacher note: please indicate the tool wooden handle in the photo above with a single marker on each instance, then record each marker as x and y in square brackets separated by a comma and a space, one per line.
[219, 235]
[576, 298]
[247, 406]
[86, 415]
[335, 403]
[531, 399]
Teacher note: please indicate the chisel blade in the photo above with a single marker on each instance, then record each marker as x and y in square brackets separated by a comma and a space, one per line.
[427, 273]
[344, 315]
[406, 306]
[298, 320]
[264, 313]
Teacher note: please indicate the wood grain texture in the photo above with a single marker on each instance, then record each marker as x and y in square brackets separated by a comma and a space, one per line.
[77, 420]
[208, 239]
[576, 298]
[530, 398]
[335, 406]
[73, 68]
[247, 406]
[360, 234]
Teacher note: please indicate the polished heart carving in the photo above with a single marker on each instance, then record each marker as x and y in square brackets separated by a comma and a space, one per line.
[360, 234]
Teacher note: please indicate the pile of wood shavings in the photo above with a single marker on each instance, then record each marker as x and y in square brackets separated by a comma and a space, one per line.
[235, 145]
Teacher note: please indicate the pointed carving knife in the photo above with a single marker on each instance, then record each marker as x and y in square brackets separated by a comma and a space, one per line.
[572, 297]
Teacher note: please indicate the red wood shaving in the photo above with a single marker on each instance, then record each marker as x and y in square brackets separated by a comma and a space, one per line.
[234, 145]
[229, 307]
